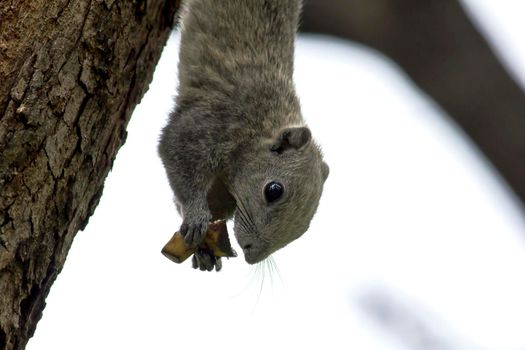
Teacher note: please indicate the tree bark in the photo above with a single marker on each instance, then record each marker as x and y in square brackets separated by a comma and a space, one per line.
[71, 73]
[437, 45]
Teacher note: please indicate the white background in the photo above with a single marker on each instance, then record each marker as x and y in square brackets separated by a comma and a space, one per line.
[416, 244]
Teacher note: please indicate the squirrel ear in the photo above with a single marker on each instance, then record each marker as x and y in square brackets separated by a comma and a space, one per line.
[292, 138]
[325, 170]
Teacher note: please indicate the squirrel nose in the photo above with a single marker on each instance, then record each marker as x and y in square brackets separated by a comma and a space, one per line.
[250, 253]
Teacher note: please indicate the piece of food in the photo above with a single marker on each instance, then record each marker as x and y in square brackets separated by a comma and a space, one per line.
[176, 250]
[216, 241]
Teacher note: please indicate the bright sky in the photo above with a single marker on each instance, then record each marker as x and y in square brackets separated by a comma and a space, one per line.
[411, 216]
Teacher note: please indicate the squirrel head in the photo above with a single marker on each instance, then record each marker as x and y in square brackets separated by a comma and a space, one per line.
[277, 188]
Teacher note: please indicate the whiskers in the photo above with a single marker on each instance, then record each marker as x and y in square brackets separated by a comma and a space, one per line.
[244, 217]
[267, 267]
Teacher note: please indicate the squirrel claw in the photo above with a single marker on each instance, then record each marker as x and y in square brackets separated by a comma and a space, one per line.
[205, 260]
[195, 231]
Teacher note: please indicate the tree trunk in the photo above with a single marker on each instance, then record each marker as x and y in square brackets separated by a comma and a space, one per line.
[436, 44]
[71, 73]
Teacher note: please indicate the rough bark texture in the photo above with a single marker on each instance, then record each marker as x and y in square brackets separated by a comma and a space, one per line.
[71, 72]
[435, 42]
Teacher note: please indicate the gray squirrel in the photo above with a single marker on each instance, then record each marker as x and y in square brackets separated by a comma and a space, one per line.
[236, 144]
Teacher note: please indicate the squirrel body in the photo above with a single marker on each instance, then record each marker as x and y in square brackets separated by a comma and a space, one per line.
[236, 144]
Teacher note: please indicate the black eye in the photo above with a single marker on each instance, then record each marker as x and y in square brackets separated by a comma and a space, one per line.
[273, 191]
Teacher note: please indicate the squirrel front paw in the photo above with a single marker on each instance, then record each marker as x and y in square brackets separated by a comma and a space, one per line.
[194, 227]
[205, 260]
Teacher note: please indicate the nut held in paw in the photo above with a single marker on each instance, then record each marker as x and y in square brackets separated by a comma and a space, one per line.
[216, 240]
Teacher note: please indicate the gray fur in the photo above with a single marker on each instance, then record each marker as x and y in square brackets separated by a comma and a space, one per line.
[237, 125]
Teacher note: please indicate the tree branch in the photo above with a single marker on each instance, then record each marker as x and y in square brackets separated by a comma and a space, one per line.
[435, 42]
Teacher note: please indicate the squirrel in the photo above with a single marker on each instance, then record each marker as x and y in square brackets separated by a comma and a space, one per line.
[236, 145]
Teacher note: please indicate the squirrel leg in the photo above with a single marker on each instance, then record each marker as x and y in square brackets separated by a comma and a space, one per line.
[190, 179]
[196, 218]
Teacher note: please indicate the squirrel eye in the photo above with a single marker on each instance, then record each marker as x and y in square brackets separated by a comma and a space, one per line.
[273, 191]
